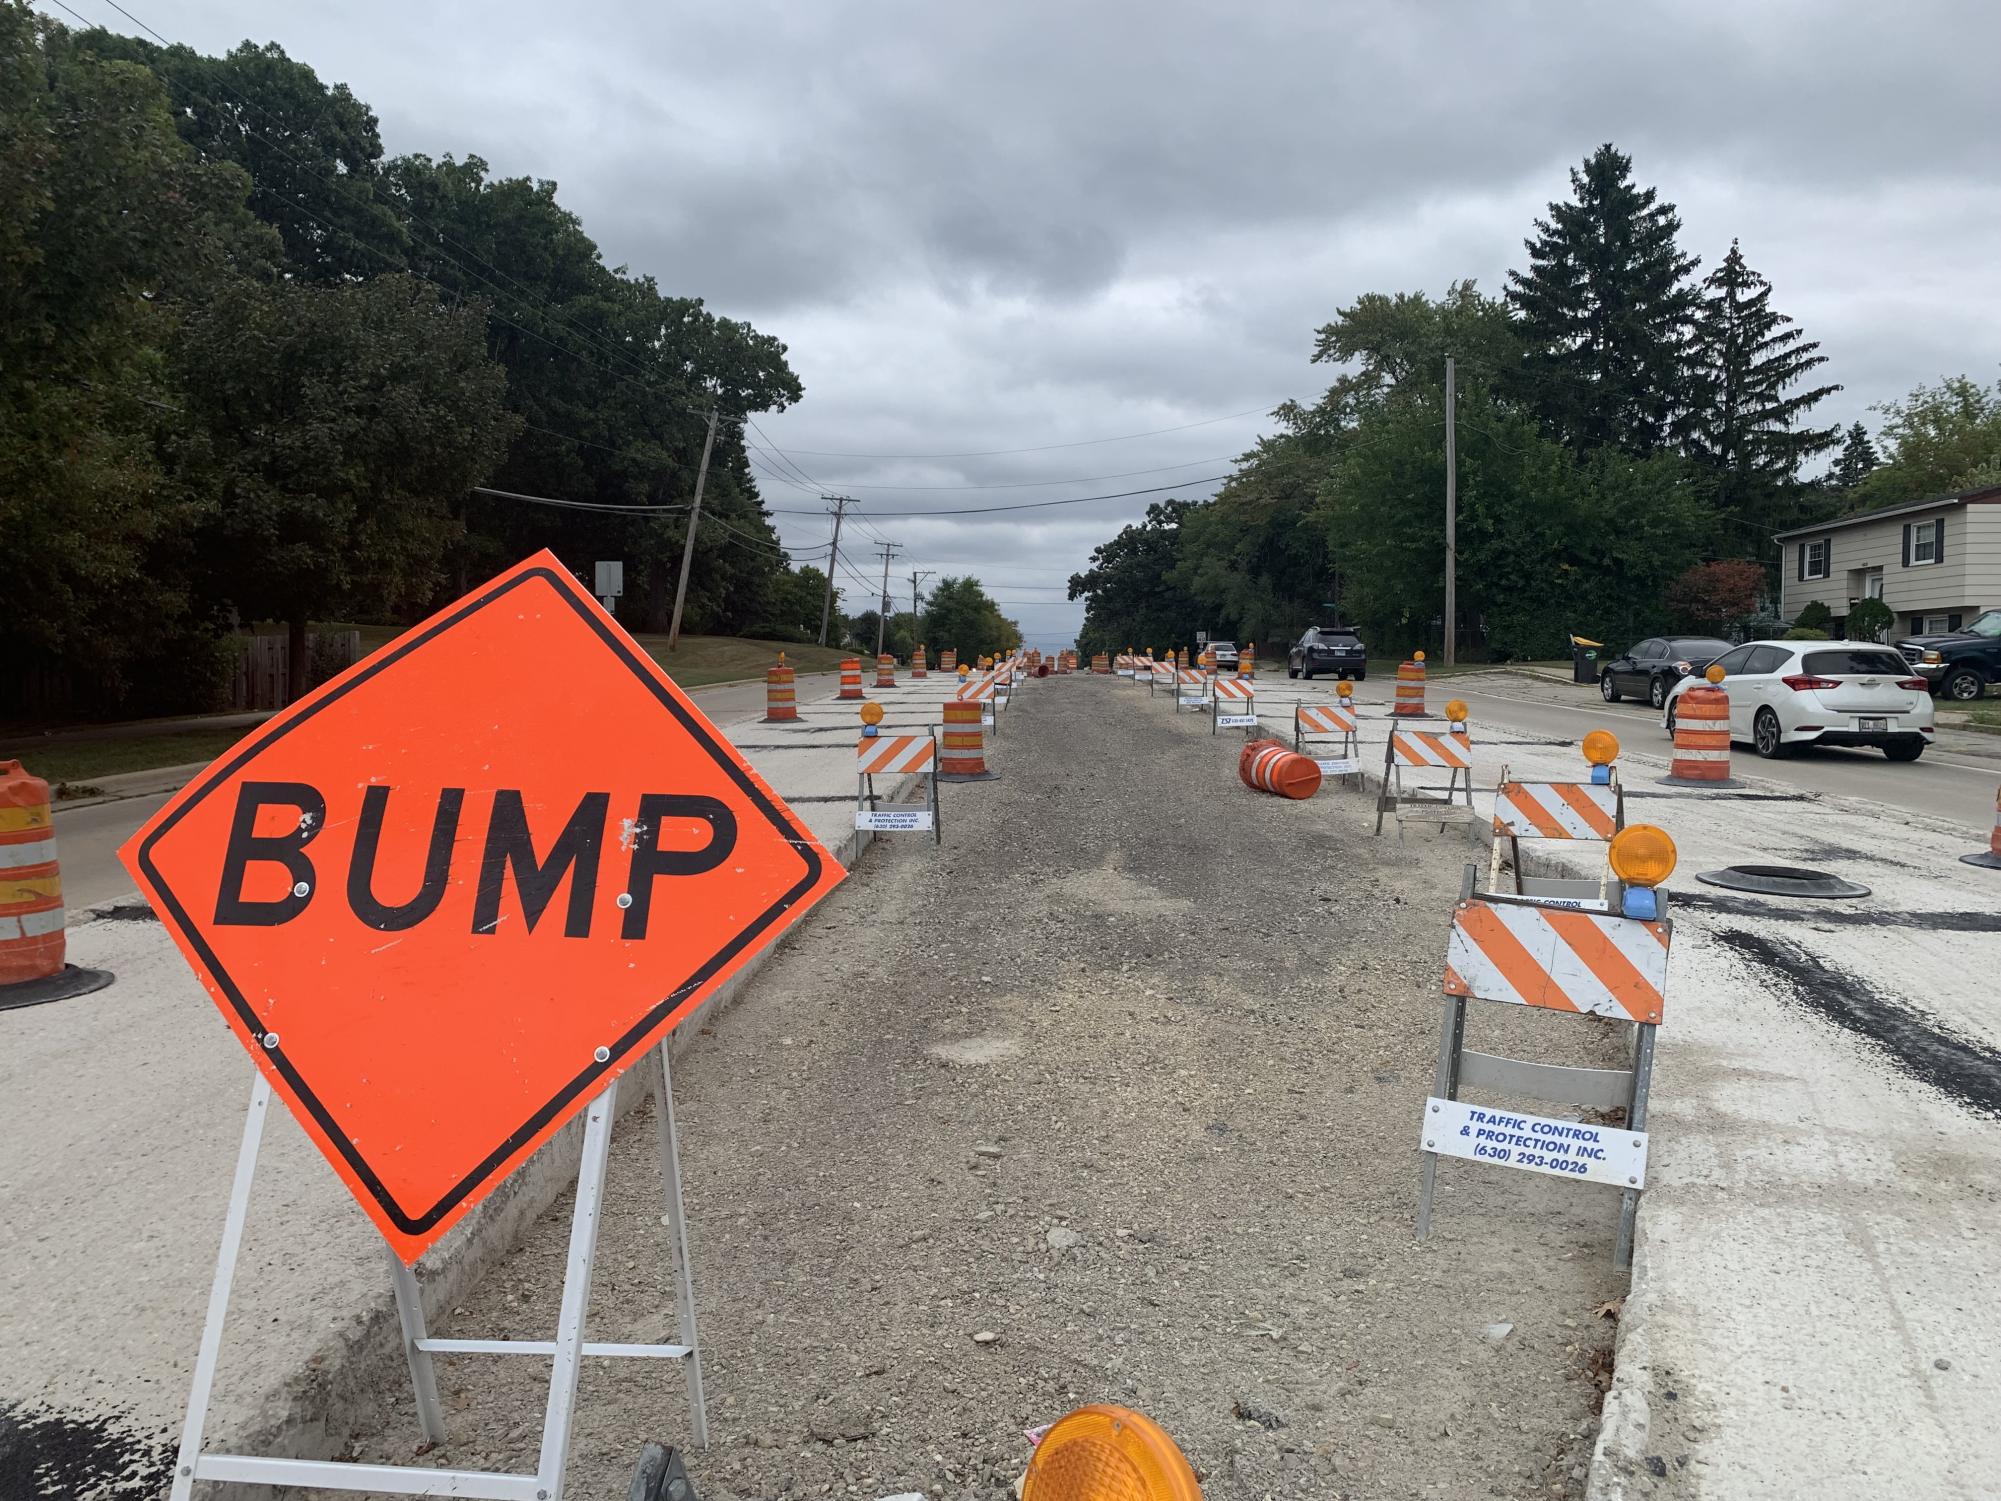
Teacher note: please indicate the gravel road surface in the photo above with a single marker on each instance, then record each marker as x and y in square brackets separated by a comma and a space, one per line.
[1115, 1097]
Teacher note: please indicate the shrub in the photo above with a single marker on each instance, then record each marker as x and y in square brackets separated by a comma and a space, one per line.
[1868, 619]
[1805, 633]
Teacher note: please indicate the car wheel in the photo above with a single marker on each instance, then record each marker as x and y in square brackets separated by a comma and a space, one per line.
[1904, 752]
[1292, 672]
[1605, 689]
[1361, 677]
[1963, 686]
[1765, 735]
[1670, 719]
[1656, 692]
[1307, 673]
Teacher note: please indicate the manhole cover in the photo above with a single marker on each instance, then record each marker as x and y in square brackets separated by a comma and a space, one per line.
[1781, 880]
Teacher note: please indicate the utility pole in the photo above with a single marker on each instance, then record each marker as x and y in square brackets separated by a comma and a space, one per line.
[841, 503]
[916, 578]
[688, 547]
[1451, 520]
[889, 550]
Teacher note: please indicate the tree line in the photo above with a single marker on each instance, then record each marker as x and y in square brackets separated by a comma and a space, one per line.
[252, 369]
[1629, 438]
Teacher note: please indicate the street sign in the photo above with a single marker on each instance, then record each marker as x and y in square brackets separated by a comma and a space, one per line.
[447, 897]
[610, 580]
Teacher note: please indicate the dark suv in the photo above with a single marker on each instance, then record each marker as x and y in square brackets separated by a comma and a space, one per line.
[1328, 648]
[1960, 664]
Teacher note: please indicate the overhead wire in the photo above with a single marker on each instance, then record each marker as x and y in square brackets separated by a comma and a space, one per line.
[991, 453]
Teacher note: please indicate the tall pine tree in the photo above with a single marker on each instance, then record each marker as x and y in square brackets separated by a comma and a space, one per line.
[1858, 458]
[1607, 310]
[1748, 426]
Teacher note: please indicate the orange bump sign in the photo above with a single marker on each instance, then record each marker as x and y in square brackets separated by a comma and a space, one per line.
[1560, 960]
[448, 896]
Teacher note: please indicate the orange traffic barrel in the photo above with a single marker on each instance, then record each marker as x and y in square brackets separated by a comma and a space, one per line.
[962, 756]
[948, 660]
[885, 671]
[917, 662]
[1271, 766]
[781, 698]
[1410, 686]
[851, 678]
[31, 884]
[1991, 856]
[1247, 660]
[1701, 738]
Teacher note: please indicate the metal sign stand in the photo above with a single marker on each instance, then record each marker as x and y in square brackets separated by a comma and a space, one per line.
[1305, 742]
[1561, 1084]
[1559, 888]
[567, 1350]
[1442, 809]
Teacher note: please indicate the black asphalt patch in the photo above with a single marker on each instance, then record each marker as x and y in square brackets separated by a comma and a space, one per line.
[54, 1456]
[1965, 1070]
[1846, 917]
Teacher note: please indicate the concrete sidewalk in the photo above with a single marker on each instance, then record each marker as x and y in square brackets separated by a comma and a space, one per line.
[1810, 1312]
[121, 1113]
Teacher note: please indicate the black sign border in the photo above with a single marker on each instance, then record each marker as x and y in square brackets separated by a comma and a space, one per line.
[582, 1084]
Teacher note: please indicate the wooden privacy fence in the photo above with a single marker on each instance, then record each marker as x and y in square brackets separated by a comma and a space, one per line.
[265, 664]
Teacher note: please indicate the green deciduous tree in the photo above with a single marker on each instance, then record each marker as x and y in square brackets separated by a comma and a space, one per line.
[338, 425]
[1606, 311]
[960, 614]
[1131, 595]
[1712, 597]
[1748, 425]
[1939, 440]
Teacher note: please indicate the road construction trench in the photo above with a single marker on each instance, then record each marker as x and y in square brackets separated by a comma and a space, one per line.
[1128, 1077]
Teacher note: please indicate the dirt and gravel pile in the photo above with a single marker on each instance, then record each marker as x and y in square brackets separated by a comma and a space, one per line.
[1115, 1097]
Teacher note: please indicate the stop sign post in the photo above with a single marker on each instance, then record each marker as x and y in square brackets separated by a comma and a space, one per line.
[444, 902]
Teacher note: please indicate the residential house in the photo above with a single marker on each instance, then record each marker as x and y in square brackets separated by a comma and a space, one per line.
[1935, 563]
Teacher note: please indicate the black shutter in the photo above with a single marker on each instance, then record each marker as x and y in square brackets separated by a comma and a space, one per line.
[1938, 542]
[1802, 561]
[1917, 625]
[1952, 622]
[1907, 544]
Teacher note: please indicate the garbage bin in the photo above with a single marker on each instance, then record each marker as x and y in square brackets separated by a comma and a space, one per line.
[1584, 659]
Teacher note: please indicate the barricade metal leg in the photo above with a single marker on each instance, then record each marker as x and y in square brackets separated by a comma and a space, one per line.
[218, 1292]
[1636, 1120]
[677, 1231]
[561, 1413]
[1444, 1086]
[423, 1375]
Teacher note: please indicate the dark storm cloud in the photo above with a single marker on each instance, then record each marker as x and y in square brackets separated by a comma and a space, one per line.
[1015, 224]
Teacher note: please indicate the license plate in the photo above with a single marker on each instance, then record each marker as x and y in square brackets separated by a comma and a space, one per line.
[1873, 726]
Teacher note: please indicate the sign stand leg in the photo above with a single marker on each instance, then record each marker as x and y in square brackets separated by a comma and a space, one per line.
[562, 1410]
[423, 1375]
[1636, 1120]
[677, 1233]
[218, 1293]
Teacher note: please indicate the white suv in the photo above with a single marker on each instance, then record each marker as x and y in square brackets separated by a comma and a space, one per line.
[1790, 693]
[1226, 653]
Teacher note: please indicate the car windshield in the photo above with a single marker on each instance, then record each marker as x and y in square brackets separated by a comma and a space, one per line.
[1855, 662]
[1706, 647]
[1338, 638]
[1988, 624]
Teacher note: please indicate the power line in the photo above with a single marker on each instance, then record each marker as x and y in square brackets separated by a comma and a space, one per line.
[1032, 484]
[1035, 505]
[992, 453]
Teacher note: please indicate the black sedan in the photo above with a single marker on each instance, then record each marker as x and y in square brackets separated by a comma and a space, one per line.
[1651, 669]
[1333, 649]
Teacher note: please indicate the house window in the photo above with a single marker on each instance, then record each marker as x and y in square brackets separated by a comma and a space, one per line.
[1924, 543]
[1936, 625]
[1924, 546]
[1815, 558]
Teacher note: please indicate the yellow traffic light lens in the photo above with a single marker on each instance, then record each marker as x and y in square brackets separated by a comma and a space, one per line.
[1456, 711]
[871, 713]
[1105, 1453]
[1642, 855]
[1715, 673]
[1601, 747]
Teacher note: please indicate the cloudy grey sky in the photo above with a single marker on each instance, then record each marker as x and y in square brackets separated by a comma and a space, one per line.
[1026, 223]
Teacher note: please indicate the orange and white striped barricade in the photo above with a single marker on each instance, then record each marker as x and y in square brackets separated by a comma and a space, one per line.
[1990, 858]
[1191, 689]
[896, 756]
[1122, 665]
[851, 678]
[1328, 727]
[948, 661]
[1161, 680]
[980, 691]
[1450, 751]
[1579, 812]
[1233, 705]
[1514, 951]
[34, 944]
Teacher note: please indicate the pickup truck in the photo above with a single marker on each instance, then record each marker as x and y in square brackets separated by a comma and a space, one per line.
[1961, 664]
